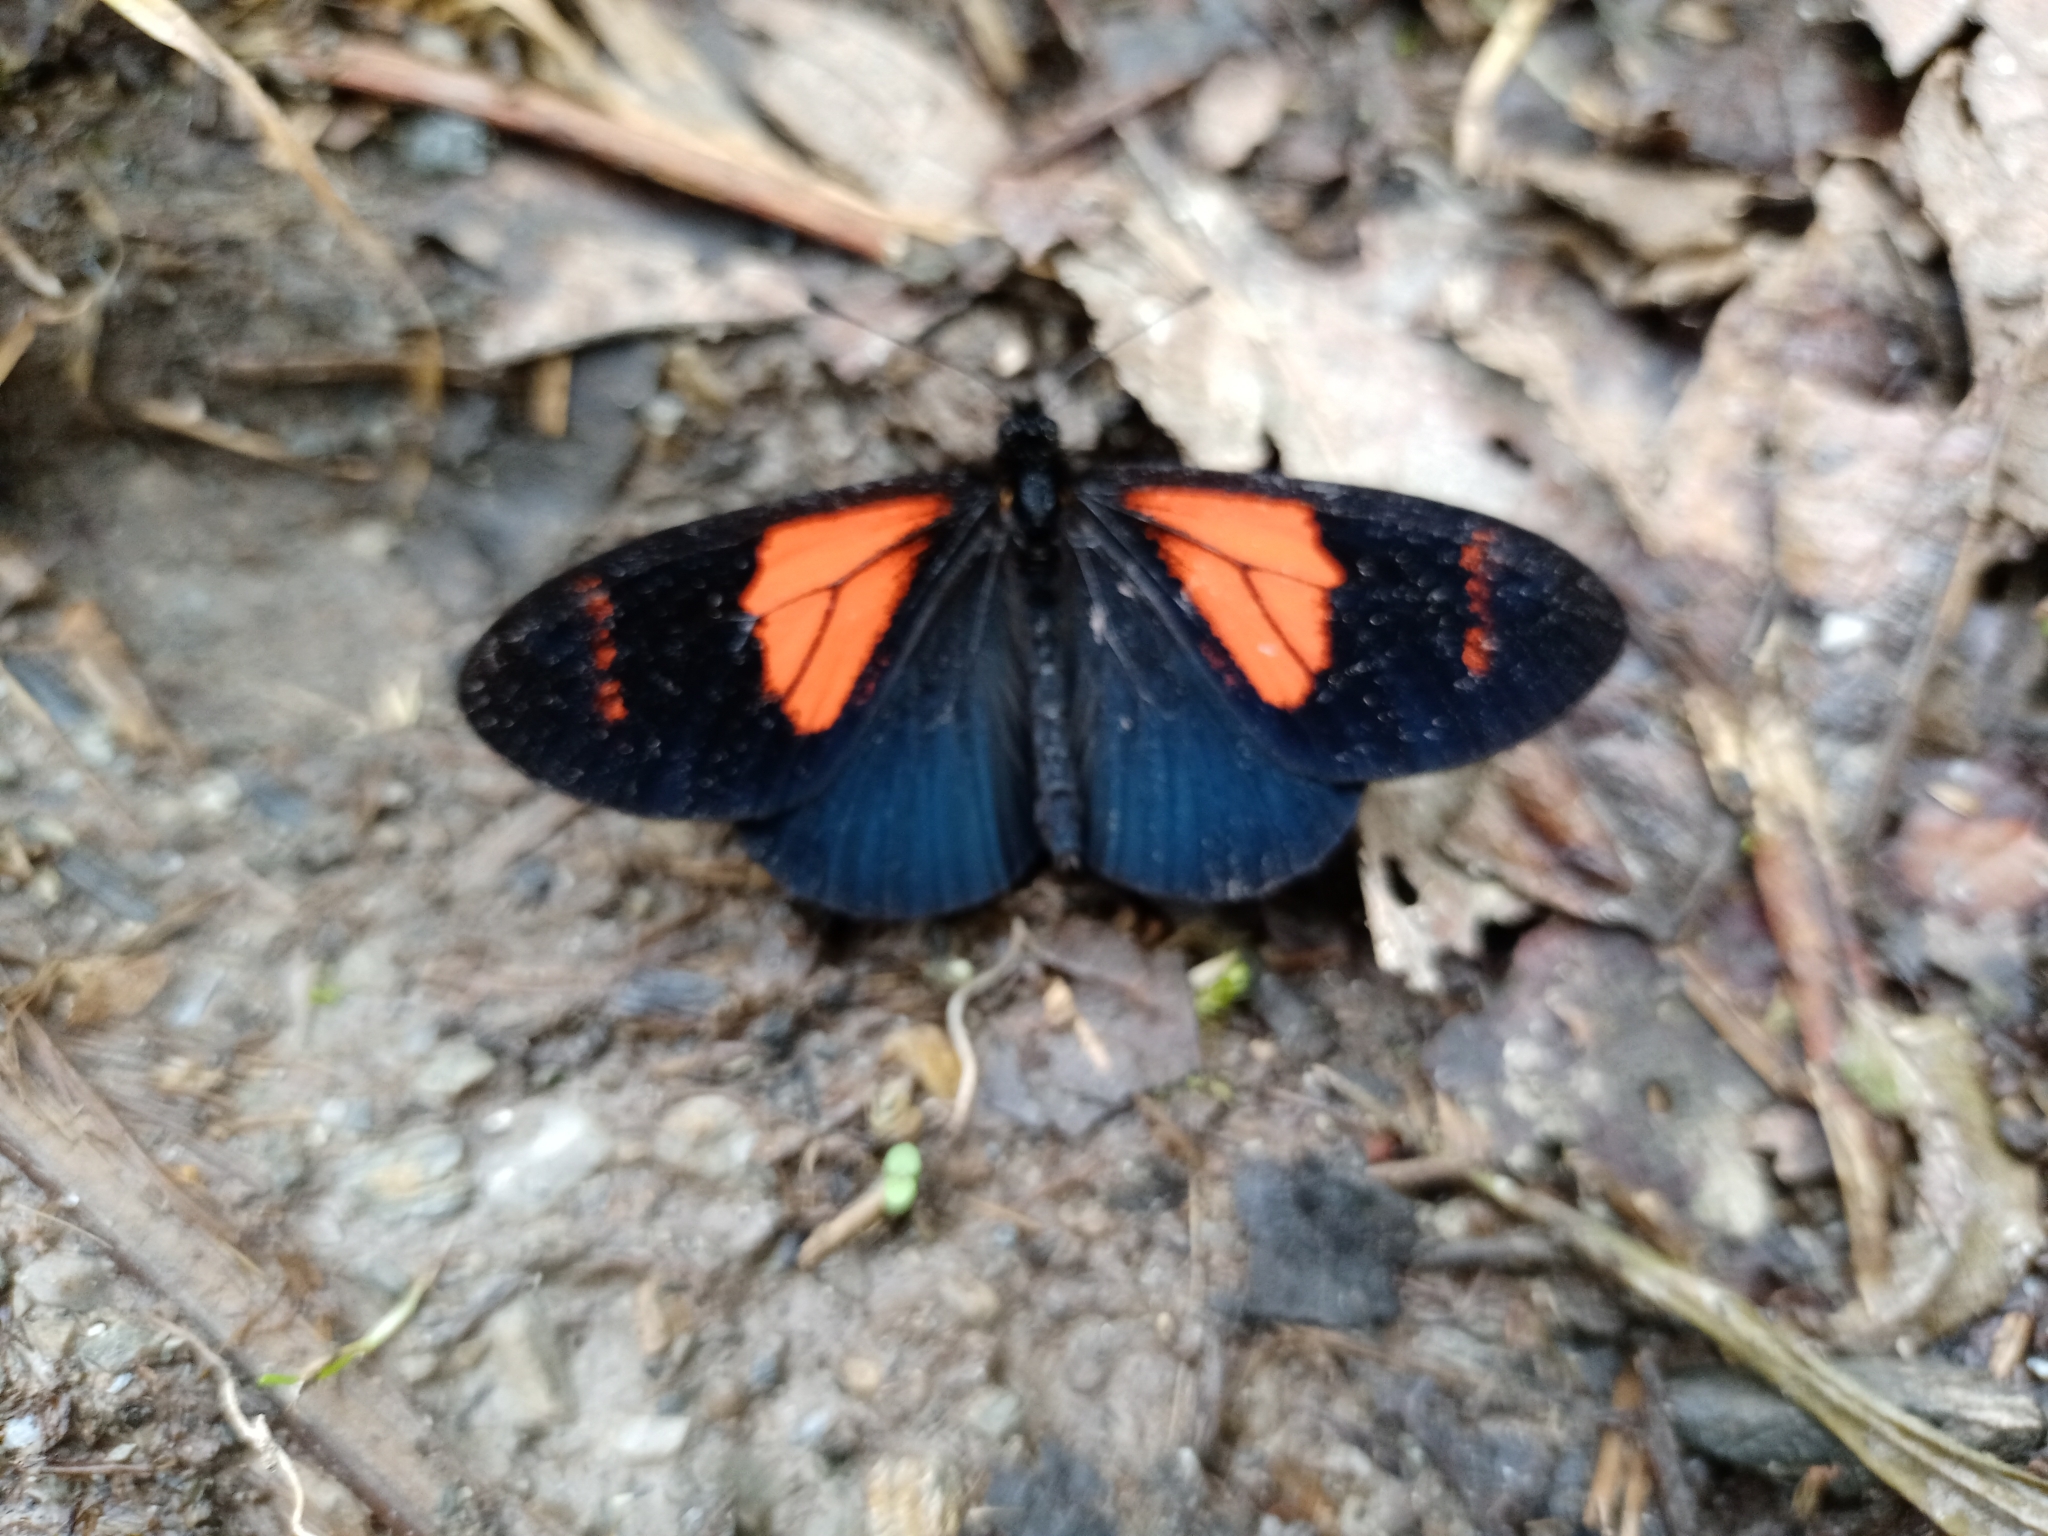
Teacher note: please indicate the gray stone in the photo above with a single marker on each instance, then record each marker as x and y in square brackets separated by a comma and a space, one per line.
[1301, 1030]
[669, 993]
[22, 1434]
[995, 1412]
[450, 1070]
[764, 1371]
[1735, 1418]
[551, 1148]
[526, 1363]
[418, 1174]
[114, 1347]
[708, 1137]
[65, 1282]
[726, 1232]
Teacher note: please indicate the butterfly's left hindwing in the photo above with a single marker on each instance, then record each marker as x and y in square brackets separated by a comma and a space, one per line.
[1360, 634]
[930, 810]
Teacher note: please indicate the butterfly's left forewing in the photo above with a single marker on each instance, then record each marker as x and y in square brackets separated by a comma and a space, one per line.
[1360, 634]
[726, 668]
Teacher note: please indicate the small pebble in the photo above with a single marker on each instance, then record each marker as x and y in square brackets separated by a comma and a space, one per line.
[764, 1373]
[829, 1431]
[861, 1376]
[651, 1438]
[721, 1399]
[436, 43]
[445, 144]
[526, 1361]
[974, 1301]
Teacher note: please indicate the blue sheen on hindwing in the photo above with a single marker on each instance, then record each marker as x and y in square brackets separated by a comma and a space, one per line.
[931, 810]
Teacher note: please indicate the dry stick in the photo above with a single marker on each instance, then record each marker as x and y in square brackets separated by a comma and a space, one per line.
[58, 1130]
[1764, 1053]
[1660, 1442]
[866, 1209]
[1492, 68]
[639, 142]
[1799, 885]
[1962, 1490]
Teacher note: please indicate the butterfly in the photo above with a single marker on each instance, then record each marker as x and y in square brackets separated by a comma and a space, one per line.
[909, 694]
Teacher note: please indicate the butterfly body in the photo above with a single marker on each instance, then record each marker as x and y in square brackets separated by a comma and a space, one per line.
[908, 694]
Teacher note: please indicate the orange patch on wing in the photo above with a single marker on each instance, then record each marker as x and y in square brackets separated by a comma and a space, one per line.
[823, 592]
[1479, 643]
[610, 698]
[1257, 572]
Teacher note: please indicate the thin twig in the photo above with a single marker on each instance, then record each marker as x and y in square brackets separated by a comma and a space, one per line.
[640, 143]
[1492, 68]
[252, 1432]
[956, 1023]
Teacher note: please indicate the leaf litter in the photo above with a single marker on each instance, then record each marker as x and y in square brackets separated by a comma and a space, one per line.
[1743, 956]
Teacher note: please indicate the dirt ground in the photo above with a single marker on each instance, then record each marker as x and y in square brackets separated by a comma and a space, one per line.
[316, 1009]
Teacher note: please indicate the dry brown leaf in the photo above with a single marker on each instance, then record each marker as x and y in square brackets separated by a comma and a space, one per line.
[1971, 845]
[1977, 1213]
[1977, 141]
[924, 1051]
[1911, 30]
[109, 987]
[579, 258]
[671, 77]
[1590, 1047]
[1419, 906]
[865, 96]
[1235, 109]
[106, 675]
[1607, 385]
[1657, 211]
[1331, 366]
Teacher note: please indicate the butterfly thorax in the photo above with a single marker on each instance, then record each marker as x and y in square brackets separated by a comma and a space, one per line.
[1033, 474]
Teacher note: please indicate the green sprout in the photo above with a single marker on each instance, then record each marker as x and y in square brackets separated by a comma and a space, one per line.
[1220, 983]
[380, 1333]
[901, 1165]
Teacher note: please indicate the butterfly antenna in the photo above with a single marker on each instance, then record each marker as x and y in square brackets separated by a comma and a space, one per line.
[1094, 355]
[916, 348]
